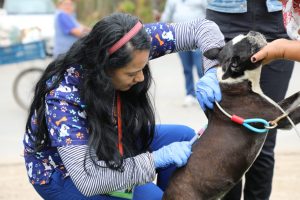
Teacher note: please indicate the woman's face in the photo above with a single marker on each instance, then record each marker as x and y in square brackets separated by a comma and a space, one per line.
[126, 77]
[67, 6]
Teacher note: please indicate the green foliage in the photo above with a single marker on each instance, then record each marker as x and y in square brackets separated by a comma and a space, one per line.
[90, 11]
[127, 6]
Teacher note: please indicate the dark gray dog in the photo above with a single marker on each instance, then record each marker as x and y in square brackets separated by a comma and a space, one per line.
[226, 150]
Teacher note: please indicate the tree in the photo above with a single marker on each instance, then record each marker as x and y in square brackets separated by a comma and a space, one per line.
[90, 11]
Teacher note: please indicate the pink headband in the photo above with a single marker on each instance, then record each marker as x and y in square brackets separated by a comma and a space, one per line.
[126, 38]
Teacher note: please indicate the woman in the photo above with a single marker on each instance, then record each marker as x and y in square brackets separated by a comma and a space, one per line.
[67, 28]
[91, 128]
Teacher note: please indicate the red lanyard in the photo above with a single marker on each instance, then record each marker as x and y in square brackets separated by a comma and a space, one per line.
[120, 145]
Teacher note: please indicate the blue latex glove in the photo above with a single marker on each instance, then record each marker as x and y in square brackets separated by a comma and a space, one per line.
[208, 89]
[175, 153]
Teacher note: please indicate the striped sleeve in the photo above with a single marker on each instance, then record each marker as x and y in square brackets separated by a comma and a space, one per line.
[93, 180]
[199, 33]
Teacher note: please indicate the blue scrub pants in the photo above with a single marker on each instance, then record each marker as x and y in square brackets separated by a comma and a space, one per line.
[60, 188]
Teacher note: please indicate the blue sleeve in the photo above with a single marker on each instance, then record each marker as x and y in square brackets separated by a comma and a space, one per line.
[185, 36]
[66, 22]
[66, 119]
[162, 39]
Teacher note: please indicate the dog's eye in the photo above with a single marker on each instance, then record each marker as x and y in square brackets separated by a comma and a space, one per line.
[235, 61]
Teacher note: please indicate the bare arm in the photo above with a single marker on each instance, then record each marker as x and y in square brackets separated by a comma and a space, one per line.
[278, 49]
[80, 31]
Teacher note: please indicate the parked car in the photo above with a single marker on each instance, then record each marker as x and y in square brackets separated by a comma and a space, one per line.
[29, 17]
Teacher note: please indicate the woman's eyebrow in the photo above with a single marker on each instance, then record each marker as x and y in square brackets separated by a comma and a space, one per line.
[134, 72]
[140, 69]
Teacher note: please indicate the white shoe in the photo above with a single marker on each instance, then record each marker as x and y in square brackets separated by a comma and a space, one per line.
[189, 100]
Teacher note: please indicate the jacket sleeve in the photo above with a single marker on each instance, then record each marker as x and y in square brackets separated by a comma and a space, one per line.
[91, 179]
[169, 38]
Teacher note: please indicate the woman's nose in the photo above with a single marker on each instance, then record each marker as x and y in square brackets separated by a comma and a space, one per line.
[139, 77]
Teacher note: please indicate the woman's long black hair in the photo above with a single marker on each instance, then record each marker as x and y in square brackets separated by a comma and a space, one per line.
[98, 93]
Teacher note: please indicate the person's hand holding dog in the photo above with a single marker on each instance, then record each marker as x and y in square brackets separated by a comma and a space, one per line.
[208, 90]
[278, 49]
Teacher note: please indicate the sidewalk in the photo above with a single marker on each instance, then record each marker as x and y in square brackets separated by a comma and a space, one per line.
[168, 92]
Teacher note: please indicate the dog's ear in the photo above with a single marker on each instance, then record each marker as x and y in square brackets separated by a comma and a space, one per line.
[291, 106]
[212, 53]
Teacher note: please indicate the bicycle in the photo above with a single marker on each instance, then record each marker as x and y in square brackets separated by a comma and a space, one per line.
[25, 81]
[23, 98]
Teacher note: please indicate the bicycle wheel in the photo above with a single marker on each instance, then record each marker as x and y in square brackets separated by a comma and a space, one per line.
[23, 86]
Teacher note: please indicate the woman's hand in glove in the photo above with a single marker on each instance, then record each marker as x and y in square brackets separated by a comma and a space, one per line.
[175, 153]
[208, 89]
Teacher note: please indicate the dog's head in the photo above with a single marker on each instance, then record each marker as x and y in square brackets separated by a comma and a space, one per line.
[235, 56]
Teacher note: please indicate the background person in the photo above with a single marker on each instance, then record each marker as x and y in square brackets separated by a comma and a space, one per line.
[155, 10]
[67, 28]
[180, 11]
[91, 126]
[239, 17]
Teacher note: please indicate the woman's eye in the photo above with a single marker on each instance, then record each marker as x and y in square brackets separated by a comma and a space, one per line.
[131, 75]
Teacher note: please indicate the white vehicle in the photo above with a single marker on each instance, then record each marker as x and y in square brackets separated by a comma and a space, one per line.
[30, 14]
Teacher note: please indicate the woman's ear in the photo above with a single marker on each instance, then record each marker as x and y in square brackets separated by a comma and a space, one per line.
[212, 53]
[109, 72]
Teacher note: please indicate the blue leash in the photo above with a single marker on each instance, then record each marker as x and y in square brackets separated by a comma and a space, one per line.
[256, 120]
[246, 122]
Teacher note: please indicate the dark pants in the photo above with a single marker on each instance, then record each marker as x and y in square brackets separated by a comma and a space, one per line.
[258, 180]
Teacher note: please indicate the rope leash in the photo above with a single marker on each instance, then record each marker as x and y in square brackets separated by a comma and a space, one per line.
[274, 122]
[245, 122]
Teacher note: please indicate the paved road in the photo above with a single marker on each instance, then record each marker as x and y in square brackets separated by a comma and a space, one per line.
[12, 117]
